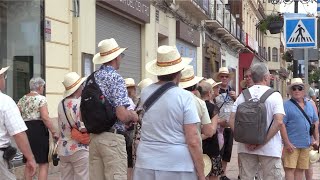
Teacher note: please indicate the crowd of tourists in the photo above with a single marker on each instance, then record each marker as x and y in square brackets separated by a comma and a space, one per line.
[179, 127]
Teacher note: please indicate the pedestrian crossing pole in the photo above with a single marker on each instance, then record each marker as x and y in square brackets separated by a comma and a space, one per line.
[295, 62]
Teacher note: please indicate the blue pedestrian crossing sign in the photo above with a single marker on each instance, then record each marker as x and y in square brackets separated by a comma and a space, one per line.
[300, 32]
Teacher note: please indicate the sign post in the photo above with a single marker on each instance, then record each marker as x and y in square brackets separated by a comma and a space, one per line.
[301, 32]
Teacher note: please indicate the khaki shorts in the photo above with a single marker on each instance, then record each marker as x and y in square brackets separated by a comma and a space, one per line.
[298, 159]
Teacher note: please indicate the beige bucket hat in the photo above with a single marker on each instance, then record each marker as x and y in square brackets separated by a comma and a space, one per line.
[3, 70]
[314, 156]
[168, 61]
[207, 164]
[129, 82]
[72, 81]
[212, 82]
[144, 83]
[222, 70]
[108, 50]
[188, 78]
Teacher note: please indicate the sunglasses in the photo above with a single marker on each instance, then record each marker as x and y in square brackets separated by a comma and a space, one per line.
[122, 55]
[299, 88]
[224, 76]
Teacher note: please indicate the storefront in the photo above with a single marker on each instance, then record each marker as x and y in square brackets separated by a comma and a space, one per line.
[187, 42]
[21, 43]
[124, 20]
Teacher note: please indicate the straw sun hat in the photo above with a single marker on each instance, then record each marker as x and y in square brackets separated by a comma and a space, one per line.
[212, 82]
[222, 70]
[207, 164]
[72, 81]
[144, 83]
[314, 156]
[3, 70]
[108, 50]
[168, 61]
[188, 78]
[129, 82]
[297, 82]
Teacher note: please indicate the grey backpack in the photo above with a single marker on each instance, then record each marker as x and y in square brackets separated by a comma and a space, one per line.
[250, 125]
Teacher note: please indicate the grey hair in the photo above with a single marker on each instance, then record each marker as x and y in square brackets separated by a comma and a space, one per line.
[206, 88]
[258, 72]
[35, 83]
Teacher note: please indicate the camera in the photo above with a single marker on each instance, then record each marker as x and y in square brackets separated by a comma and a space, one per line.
[55, 159]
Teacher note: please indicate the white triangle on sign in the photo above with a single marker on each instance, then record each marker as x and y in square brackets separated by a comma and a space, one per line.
[300, 35]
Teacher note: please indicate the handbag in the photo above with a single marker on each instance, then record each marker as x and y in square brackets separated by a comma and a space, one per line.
[312, 126]
[77, 135]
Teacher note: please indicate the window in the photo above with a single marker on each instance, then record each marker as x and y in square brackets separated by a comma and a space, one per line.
[21, 43]
[269, 54]
[274, 54]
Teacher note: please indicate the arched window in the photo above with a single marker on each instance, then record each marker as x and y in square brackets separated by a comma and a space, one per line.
[274, 54]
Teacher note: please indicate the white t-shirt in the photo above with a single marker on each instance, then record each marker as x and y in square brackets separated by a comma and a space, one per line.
[274, 105]
[163, 145]
[11, 122]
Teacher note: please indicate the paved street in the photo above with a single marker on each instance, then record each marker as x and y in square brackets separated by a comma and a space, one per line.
[232, 170]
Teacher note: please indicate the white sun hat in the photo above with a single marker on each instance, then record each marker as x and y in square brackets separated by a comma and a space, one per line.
[212, 82]
[222, 70]
[188, 78]
[314, 156]
[3, 70]
[108, 50]
[168, 61]
[144, 83]
[129, 82]
[72, 81]
[297, 82]
[207, 164]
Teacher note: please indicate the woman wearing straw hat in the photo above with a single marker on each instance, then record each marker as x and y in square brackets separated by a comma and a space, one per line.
[190, 82]
[74, 156]
[299, 118]
[34, 111]
[169, 144]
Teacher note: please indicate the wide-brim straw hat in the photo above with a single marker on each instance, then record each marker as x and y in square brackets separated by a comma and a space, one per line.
[222, 70]
[145, 83]
[168, 61]
[53, 148]
[207, 164]
[72, 81]
[188, 78]
[314, 156]
[108, 51]
[129, 82]
[212, 82]
[297, 82]
[3, 70]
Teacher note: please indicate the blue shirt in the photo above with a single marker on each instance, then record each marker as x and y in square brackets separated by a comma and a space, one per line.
[297, 125]
[114, 89]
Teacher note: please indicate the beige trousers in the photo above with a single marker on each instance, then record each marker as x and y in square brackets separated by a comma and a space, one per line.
[270, 167]
[75, 166]
[108, 157]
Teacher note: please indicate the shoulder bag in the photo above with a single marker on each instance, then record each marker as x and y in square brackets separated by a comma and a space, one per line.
[312, 126]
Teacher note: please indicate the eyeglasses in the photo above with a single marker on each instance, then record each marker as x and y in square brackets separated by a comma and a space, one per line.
[122, 55]
[224, 76]
[294, 88]
[247, 76]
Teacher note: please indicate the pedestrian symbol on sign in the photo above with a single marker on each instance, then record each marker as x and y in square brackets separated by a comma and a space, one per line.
[300, 34]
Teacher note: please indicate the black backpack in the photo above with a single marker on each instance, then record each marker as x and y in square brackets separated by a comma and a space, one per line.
[96, 111]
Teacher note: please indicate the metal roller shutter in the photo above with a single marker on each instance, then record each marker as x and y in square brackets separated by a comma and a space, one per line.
[127, 34]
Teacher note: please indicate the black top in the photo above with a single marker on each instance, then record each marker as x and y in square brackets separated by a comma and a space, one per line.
[211, 145]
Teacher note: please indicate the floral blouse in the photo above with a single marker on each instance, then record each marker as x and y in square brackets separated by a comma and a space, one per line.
[67, 146]
[30, 106]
